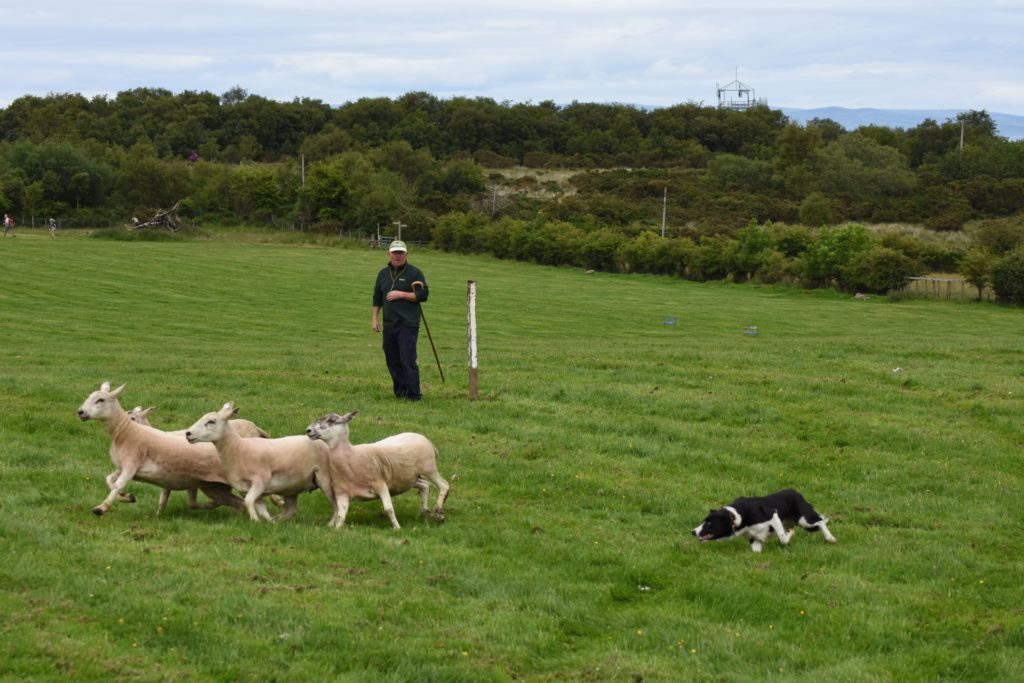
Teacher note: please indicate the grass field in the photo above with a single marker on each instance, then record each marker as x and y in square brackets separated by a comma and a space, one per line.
[600, 438]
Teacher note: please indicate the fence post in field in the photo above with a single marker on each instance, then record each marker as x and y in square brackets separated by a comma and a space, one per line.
[471, 324]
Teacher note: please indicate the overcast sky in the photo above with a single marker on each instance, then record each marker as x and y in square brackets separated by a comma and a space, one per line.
[895, 54]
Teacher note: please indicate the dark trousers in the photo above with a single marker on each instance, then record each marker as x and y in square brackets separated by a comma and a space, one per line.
[400, 355]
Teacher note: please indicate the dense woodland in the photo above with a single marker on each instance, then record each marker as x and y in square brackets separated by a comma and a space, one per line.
[740, 194]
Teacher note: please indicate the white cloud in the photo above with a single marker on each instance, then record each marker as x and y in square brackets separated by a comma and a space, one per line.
[880, 53]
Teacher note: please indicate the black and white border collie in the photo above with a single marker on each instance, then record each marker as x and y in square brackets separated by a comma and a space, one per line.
[757, 518]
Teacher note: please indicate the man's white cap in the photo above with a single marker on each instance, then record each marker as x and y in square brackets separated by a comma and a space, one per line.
[397, 245]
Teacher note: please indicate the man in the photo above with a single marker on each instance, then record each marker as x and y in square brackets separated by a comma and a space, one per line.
[400, 301]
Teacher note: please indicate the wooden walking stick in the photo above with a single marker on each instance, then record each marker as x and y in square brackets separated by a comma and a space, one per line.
[427, 328]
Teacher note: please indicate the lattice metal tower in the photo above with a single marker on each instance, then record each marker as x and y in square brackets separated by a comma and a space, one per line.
[737, 95]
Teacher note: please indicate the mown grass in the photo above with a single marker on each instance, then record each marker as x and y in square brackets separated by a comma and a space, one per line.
[601, 436]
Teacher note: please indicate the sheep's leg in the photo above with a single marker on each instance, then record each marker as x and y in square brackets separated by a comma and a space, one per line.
[124, 476]
[291, 506]
[424, 486]
[123, 497]
[222, 495]
[442, 493]
[276, 500]
[389, 507]
[328, 492]
[340, 511]
[165, 495]
[193, 501]
[261, 508]
[253, 495]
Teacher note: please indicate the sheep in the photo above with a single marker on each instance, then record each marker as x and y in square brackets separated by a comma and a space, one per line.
[288, 465]
[387, 467]
[245, 428]
[149, 455]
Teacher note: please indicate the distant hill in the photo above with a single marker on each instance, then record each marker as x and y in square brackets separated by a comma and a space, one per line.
[1010, 126]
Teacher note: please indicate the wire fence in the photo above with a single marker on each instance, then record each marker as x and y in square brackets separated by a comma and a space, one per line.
[943, 288]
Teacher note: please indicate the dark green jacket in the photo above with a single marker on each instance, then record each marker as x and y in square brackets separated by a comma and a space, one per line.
[399, 312]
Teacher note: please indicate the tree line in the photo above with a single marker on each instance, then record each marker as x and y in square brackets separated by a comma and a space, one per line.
[705, 173]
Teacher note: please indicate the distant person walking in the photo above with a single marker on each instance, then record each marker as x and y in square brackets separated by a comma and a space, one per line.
[8, 225]
[395, 296]
[53, 229]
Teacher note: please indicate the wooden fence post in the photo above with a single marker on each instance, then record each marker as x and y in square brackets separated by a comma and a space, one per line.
[471, 325]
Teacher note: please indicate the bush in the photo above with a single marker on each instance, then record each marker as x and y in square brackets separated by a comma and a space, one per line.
[776, 268]
[833, 251]
[999, 235]
[878, 270]
[816, 210]
[790, 240]
[599, 249]
[712, 258]
[460, 232]
[1008, 279]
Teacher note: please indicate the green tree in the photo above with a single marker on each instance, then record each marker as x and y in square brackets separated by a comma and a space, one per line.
[33, 200]
[859, 169]
[144, 181]
[976, 268]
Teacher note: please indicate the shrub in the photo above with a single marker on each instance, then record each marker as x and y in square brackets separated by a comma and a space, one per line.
[790, 240]
[999, 235]
[1008, 279]
[935, 255]
[878, 270]
[752, 241]
[834, 249]
[712, 258]
[776, 268]
[816, 210]
[598, 249]
[949, 211]
[459, 232]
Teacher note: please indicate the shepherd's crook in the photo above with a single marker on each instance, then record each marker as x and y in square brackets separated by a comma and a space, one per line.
[427, 328]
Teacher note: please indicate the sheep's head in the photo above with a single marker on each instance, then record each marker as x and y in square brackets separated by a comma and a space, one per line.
[211, 427]
[101, 404]
[137, 414]
[330, 427]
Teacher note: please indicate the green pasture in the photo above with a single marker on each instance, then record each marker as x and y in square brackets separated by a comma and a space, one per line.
[601, 436]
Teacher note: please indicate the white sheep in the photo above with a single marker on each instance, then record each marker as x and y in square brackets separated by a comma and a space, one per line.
[288, 465]
[379, 470]
[155, 457]
[246, 428]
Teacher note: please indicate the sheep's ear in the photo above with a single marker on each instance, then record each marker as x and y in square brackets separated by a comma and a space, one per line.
[148, 410]
[227, 411]
[234, 412]
[117, 392]
[105, 386]
[347, 417]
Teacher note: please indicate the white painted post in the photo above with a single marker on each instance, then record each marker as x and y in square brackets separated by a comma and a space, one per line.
[471, 324]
